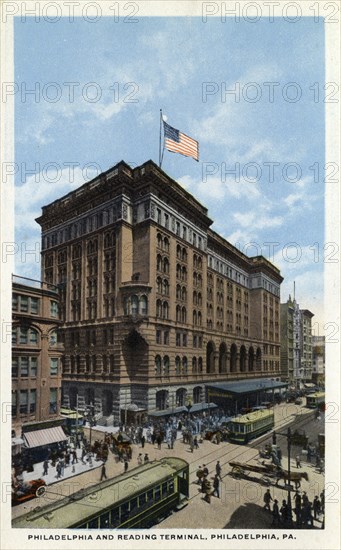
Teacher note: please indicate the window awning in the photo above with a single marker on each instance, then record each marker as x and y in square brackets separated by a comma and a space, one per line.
[39, 438]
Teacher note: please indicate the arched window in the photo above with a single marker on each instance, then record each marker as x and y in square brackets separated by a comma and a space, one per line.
[178, 292]
[158, 308]
[166, 244]
[166, 365]
[184, 255]
[177, 365]
[143, 305]
[184, 315]
[195, 297]
[178, 314]
[159, 262]
[194, 365]
[178, 271]
[199, 299]
[134, 305]
[165, 310]
[159, 240]
[184, 273]
[199, 318]
[165, 265]
[178, 252]
[166, 287]
[183, 293]
[159, 285]
[184, 365]
[200, 364]
[158, 365]
[195, 317]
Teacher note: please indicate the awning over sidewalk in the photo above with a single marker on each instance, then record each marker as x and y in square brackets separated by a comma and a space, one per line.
[39, 438]
[165, 412]
[242, 387]
[198, 407]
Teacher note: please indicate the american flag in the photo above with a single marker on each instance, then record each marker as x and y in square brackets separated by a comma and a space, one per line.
[177, 142]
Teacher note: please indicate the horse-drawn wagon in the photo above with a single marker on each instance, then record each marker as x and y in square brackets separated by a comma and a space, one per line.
[268, 471]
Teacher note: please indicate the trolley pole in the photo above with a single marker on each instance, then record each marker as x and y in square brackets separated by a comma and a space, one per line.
[289, 479]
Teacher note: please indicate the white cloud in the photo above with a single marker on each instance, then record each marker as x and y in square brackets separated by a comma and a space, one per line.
[256, 220]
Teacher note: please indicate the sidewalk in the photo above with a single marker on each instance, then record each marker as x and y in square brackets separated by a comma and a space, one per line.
[69, 471]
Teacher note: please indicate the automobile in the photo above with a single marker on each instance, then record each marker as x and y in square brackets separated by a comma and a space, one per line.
[26, 491]
[298, 401]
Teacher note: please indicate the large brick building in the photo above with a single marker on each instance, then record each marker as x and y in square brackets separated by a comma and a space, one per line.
[155, 304]
[296, 343]
[36, 353]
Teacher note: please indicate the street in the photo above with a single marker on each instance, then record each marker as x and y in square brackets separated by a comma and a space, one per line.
[241, 500]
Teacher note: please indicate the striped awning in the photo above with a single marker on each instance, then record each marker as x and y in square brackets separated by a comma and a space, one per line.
[39, 438]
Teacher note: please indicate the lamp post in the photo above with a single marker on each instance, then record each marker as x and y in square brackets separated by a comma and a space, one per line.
[91, 419]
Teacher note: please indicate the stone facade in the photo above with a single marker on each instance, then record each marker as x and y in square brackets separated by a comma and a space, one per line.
[296, 343]
[36, 352]
[155, 304]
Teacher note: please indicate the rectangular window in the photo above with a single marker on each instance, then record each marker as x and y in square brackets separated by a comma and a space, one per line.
[23, 401]
[23, 366]
[23, 336]
[53, 366]
[33, 337]
[34, 306]
[178, 339]
[14, 367]
[166, 337]
[33, 395]
[33, 366]
[184, 340]
[53, 400]
[54, 309]
[14, 403]
[15, 302]
[194, 341]
[158, 336]
[24, 304]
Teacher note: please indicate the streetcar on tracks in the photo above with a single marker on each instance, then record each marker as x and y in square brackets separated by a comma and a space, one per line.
[140, 498]
[251, 425]
[316, 400]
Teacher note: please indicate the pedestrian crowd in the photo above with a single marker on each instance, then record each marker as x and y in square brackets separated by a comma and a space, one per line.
[306, 512]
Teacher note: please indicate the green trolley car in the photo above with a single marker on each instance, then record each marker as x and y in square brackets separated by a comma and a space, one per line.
[138, 499]
[316, 400]
[247, 427]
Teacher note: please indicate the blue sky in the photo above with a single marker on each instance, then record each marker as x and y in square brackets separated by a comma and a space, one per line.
[164, 63]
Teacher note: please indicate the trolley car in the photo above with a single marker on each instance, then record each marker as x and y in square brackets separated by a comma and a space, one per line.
[138, 499]
[316, 400]
[249, 426]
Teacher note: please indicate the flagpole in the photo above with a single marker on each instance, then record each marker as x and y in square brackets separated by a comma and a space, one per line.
[160, 138]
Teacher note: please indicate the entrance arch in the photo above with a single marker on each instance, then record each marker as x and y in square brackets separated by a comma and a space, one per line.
[233, 358]
[210, 350]
[222, 357]
[242, 359]
[251, 359]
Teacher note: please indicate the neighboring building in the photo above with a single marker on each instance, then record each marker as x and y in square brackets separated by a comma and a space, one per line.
[296, 343]
[155, 304]
[319, 357]
[36, 353]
